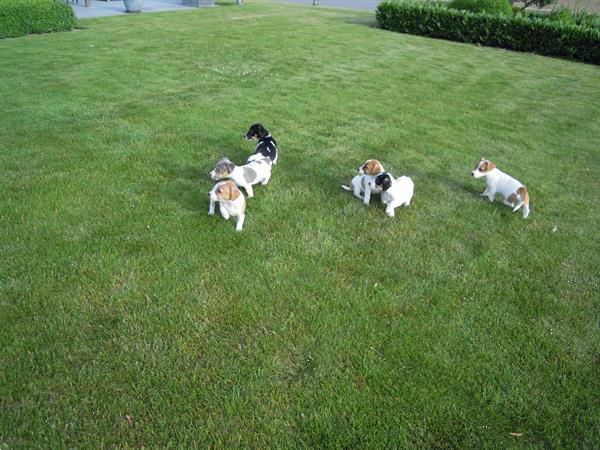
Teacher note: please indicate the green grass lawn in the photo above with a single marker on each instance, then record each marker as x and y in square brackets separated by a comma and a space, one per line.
[129, 317]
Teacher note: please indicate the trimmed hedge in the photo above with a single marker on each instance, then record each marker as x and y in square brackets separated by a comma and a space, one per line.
[512, 32]
[483, 6]
[21, 17]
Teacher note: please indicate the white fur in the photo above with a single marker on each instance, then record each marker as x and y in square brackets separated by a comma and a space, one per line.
[498, 182]
[369, 189]
[236, 208]
[400, 193]
[262, 167]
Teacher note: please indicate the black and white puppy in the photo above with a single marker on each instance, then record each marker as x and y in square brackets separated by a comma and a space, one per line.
[394, 193]
[266, 147]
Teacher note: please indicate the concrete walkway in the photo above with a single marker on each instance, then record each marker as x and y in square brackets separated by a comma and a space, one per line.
[101, 8]
[116, 7]
[356, 4]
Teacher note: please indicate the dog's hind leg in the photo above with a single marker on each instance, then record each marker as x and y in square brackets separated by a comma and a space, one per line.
[249, 190]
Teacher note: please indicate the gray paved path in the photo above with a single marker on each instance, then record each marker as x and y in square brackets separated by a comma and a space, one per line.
[356, 4]
[100, 8]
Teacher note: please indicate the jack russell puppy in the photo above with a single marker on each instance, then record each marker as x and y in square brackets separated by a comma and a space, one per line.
[363, 181]
[266, 147]
[231, 202]
[253, 172]
[394, 193]
[514, 193]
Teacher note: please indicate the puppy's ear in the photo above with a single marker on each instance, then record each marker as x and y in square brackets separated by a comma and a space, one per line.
[386, 184]
[491, 166]
[232, 192]
[261, 131]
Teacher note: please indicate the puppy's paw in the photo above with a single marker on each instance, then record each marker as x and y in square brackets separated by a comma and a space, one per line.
[211, 213]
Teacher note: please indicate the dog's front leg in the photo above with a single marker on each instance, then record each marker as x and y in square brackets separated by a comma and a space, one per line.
[211, 206]
[390, 210]
[225, 213]
[266, 179]
[249, 190]
[240, 223]
[367, 198]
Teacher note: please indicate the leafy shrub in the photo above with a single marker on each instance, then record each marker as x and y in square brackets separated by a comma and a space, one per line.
[591, 20]
[21, 17]
[563, 15]
[483, 6]
[517, 32]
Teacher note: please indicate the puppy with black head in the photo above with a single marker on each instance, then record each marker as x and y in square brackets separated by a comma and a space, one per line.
[266, 147]
[394, 193]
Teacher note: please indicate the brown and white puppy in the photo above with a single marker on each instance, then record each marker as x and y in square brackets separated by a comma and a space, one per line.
[362, 183]
[253, 172]
[231, 202]
[514, 193]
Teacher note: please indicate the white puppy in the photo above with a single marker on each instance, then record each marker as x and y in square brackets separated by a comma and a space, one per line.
[231, 202]
[253, 172]
[394, 193]
[514, 193]
[363, 181]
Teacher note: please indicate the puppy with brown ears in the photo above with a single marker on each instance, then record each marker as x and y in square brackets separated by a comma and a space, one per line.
[514, 193]
[362, 183]
[231, 202]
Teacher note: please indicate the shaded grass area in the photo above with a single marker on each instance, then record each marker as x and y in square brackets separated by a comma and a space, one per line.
[325, 323]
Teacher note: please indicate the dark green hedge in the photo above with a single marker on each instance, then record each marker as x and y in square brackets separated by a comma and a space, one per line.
[21, 17]
[512, 32]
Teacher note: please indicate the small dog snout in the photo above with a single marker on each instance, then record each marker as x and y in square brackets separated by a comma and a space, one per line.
[472, 174]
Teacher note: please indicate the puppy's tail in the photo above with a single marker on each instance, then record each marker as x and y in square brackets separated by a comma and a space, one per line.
[346, 188]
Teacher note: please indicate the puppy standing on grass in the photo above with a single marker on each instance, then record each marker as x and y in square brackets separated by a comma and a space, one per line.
[362, 183]
[231, 202]
[394, 193]
[266, 147]
[514, 193]
[253, 172]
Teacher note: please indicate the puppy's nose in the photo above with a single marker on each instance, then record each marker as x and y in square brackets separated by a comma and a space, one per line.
[472, 174]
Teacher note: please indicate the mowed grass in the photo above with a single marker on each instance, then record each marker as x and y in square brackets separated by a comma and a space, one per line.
[130, 318]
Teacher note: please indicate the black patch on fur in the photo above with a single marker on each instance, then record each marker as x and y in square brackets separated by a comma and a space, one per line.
[383, 181]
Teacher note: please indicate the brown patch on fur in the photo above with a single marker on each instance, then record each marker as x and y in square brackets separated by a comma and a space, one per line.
[512, 198]
[522, 192]
[228, 191]
[487, 166]
[373, 167]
